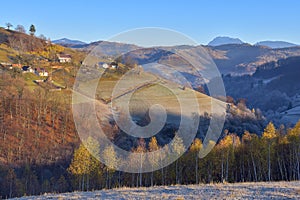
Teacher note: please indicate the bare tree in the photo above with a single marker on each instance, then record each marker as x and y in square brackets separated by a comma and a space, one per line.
[18, 43]
[8, 25]
[20, 28]
[43, 37]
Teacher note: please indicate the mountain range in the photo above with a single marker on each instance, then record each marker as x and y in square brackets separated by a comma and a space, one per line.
[218, 41]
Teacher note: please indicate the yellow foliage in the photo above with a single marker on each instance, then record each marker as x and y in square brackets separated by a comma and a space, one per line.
[294, 134]
[153, 146]
[49, 51]
[80, 161]
[83, 162]
[204, 151]
[270, 131]
[197, 145]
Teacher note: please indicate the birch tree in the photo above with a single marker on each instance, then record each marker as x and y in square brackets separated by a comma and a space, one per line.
[269, 134]
[177, 148]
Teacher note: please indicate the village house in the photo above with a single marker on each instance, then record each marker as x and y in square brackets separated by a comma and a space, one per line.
[17, 65]
[27, 69]
[6, 65]
[57, 67]
[64, 58]
[114, 65]
[41, 72]
[104, 65]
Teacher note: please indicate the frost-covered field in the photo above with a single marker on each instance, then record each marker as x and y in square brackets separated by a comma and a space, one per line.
[272, 190]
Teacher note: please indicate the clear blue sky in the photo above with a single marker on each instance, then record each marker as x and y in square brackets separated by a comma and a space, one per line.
[91, 20]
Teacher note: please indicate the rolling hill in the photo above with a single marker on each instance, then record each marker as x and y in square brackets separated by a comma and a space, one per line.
[234, 59]
[278, 81]
[276, 44]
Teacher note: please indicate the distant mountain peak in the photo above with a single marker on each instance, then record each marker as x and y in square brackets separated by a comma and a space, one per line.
[223, 40]
[276, 44]
[68, 42]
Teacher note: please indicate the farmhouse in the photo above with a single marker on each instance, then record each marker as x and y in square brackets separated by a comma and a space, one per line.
[64, 58]
[17, 65]
[114, 65]
[104, 65]
[27, 69]
[41, 72]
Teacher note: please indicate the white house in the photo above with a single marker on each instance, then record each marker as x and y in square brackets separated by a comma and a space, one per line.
[105, 65]
[43, 73]
[64, 58]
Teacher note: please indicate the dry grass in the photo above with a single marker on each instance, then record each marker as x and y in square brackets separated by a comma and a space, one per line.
[272, 190]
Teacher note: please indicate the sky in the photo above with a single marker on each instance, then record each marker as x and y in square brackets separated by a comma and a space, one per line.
[202, 20]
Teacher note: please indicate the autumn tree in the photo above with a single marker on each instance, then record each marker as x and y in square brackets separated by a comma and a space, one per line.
[111, 161]
[269, 134]
[195, 148]
[177, 148]
[293, 137]
[224, 146]
[153, 147]
[141, 150]
[84, 163]
[249, 147]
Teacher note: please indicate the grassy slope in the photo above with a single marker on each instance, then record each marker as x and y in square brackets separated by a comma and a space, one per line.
[5, 53]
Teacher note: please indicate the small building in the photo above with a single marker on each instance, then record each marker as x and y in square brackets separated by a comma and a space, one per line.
[103, 65]
[114, 65]
[43, 73]
[64, 58]
[6, 65]
[17, 65]
[57, 67]
[39, 81]
[27, 69]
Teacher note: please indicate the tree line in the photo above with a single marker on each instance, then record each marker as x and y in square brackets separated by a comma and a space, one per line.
[21, 28]
[273, 156]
